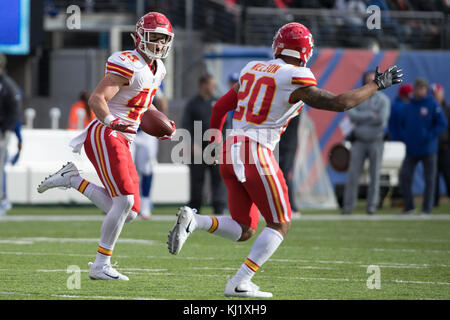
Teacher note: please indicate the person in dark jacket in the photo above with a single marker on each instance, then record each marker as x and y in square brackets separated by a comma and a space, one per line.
[405, 92]
[443, 166]
[422, 122]
[198, 112]
[10, 105]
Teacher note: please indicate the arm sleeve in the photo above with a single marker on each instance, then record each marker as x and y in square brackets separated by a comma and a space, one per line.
[18, 130]
[225, 104]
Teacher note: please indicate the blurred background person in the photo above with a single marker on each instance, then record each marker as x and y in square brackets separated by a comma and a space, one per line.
[405, 93]
[10, 106]
[199, 109]
[369, 119]
[80, 114]
[422, 123]
[443, 166]
[5, 205]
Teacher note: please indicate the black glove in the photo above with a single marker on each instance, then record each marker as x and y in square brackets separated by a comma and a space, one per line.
[388, 78]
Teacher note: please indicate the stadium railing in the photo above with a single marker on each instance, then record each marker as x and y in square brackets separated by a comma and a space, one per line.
[223, 22]
[338, 28]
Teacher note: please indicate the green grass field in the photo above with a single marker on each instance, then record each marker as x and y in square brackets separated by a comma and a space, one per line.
[319, 259]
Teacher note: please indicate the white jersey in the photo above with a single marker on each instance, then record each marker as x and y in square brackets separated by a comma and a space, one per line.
[264, 109]
[134, 98]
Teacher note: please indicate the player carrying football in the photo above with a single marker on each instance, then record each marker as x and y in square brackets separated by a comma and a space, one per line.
[119, 101]
[268, 95]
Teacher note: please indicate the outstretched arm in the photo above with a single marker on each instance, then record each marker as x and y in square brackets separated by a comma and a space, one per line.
[325, 100]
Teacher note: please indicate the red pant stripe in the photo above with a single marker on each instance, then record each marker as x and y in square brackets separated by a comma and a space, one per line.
[100, 130]
[271, 179]
[108, 170]
[93, 154]
[277, 175]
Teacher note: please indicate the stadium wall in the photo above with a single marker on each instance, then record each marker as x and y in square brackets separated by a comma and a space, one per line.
[46, 151]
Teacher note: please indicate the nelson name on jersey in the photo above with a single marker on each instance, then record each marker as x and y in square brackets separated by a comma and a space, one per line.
[261, 67]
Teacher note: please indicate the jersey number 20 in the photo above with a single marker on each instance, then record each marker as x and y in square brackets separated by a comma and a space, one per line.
[253, 89]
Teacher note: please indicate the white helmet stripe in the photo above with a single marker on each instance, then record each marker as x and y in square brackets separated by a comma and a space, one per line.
[291, 53]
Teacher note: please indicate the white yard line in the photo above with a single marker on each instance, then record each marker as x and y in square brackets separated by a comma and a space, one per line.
[365, 249]
[78, 296]
[74, 240]
[386, 239]
[421, 282]
[19, 253]
[338, 262]
[381, 264]
[399, 250]
[7, 218]
[118, 268]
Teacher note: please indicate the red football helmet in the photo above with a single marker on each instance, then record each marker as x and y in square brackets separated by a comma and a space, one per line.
[294, 40]
[153, 22]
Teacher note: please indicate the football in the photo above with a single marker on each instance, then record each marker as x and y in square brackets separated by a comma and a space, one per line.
[156, 123]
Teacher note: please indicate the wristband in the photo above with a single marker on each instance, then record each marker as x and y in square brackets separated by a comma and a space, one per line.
[108, 119]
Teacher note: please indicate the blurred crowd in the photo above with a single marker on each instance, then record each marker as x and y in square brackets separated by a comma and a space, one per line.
[218, 20]
[402, 5]
[397, 5]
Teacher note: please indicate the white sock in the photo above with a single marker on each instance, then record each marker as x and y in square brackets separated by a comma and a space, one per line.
[145, 205]
[102, 259]
[263, 248]
[112, 226]
[98, 195]
[224, 227]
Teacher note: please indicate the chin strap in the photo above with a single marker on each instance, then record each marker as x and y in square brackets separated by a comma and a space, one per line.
[134, 38]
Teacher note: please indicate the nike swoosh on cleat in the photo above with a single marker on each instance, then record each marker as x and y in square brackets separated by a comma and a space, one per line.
[62, 174]
[115, 278]
[239, 291]
[187, 228]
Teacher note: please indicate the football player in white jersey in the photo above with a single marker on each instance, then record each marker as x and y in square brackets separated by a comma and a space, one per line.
[119, 101]
[268, 95]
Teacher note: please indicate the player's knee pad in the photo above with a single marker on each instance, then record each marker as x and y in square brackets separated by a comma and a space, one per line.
[131, 216]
